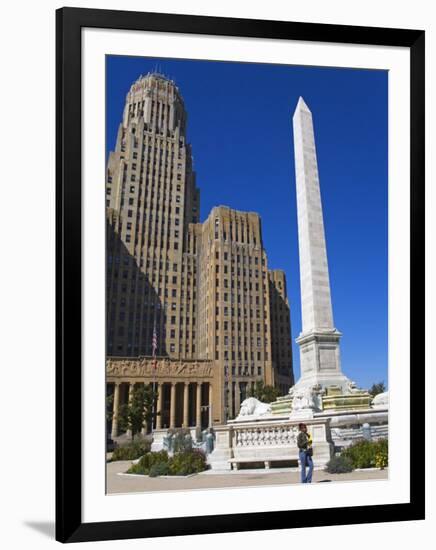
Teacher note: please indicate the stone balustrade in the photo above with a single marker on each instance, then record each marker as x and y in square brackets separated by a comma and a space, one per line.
[266, 441]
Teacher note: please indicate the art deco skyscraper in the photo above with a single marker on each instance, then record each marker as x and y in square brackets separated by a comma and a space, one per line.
[234, 310]
[151, 200]
[204, 286]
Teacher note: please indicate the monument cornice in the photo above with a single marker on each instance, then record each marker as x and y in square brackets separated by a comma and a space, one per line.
[319, 335]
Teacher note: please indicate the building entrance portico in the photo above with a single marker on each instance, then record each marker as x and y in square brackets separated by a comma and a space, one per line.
[182, 406]
[185, 390]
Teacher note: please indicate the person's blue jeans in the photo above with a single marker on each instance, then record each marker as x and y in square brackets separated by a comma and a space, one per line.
[306, 461]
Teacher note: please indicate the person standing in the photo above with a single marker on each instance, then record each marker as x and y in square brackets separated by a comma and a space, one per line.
[305, 452]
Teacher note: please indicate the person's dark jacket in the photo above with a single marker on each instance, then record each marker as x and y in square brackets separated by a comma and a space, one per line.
[302, 441]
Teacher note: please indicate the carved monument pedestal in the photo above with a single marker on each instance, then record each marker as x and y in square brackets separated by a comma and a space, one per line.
[219, 459]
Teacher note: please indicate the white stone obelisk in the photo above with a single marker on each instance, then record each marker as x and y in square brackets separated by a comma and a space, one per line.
[319, 340]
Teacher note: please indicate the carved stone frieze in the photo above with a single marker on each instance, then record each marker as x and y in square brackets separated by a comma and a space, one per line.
[147, 367]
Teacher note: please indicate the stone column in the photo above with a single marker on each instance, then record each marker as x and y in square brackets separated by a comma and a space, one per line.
[186, 405]
[131, 388]
[173, 405]
[210, 405]
[115, 410]
[237, 398]
[198, 406]
[159, 407]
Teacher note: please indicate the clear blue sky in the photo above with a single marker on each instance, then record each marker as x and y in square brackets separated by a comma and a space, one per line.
[240, 128]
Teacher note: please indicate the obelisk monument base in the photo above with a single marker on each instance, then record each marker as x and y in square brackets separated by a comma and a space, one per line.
[320, 360]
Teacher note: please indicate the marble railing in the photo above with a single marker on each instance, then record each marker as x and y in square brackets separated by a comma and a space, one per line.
[264, 436]
[267, 440]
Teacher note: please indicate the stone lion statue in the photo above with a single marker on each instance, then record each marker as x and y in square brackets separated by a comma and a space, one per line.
[381, 400]
[253, 407]
[306, 398]
[302, 399]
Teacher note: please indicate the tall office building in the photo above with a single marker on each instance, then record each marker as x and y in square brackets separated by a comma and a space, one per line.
[280, 319]
[203, 288]
[234, 327]
[151, 199]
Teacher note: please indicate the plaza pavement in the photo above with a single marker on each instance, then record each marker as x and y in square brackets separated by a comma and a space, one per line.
[117, 483]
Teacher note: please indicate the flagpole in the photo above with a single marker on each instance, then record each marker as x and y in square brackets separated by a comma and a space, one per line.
[154, 348]
[153, 412]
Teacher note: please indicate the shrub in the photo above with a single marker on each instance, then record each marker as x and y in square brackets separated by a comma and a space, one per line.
[381, 454]
[339, 465]
[363, 453]
[159, 469]
[187, 462]
[135, 469]
[147, 461]
[131, 451]
[382, 446]
[159, 464]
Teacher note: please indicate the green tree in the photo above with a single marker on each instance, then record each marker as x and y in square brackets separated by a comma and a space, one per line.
[140, 411]
[377, 388]
[109, 407]
[150, 406]
[265, 393]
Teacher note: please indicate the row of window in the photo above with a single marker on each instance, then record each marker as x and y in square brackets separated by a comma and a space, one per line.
[226, 356]
[139, 289]
[161, 144]
[140, 203]
[154, 264]
[148, 332]
[150, 163]
[154, 315]
[239, 271]
[226, 309]
[122, 349]
[152, 187]
[246, 258]
[152, 174]
[227, 341]
[150, 218]
[243, 371]
[236, 298]
[241, 233]
[128, 239]
[246, 287]
[245, 326]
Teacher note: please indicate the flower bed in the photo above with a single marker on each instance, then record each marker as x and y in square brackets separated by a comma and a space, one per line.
[182, 463]
[368, 454]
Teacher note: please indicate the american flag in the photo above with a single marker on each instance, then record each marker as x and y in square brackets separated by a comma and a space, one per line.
[154, 341]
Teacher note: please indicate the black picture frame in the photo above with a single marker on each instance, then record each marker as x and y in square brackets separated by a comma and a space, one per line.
[69, 22]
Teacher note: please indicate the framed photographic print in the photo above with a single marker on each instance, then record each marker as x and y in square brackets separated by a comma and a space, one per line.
[240, 274]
